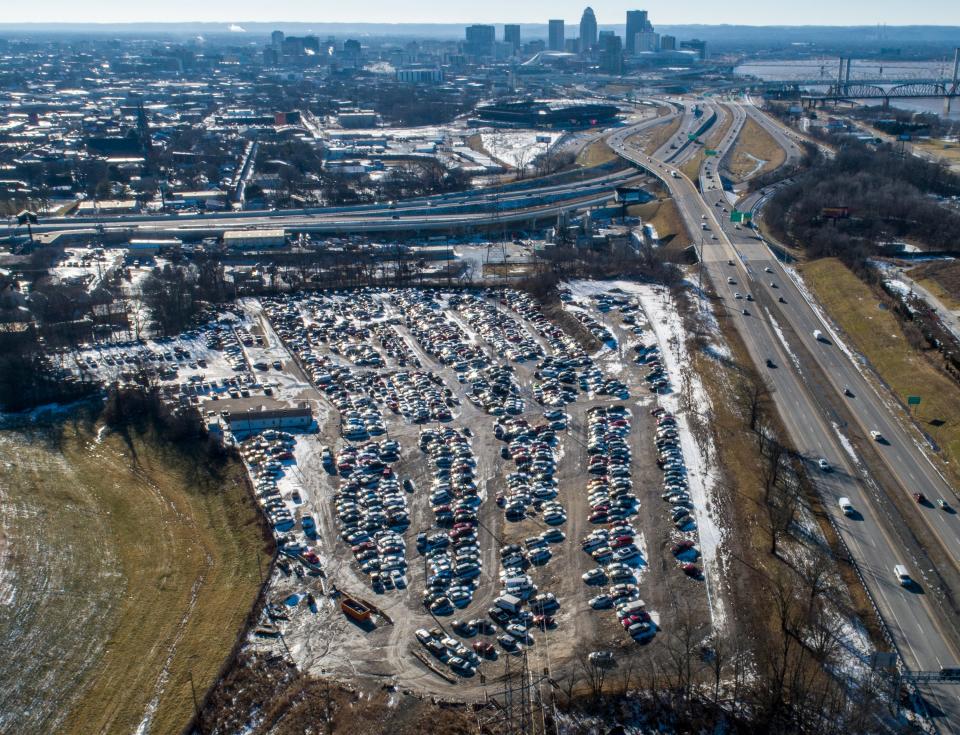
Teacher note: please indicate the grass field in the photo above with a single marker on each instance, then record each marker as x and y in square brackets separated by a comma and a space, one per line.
[596, 153]
[948, 152]
[124, 568]
[876, 333]
[753, 146]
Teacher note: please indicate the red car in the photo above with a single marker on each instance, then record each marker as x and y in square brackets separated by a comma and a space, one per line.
[682, 546]
[691, 570]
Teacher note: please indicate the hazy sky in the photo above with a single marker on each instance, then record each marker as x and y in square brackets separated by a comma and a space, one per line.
[747, 12]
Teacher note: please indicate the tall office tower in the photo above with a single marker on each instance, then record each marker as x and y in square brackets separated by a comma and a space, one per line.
[611, 52]
[645, 41]
[637, 22]
[588, 30]
[555, 35]
[276, 40]
[480, 40]
[668, 43]
[511, 35]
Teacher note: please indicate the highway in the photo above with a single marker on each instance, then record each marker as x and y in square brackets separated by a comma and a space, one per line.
[519, 202]
[783, 333]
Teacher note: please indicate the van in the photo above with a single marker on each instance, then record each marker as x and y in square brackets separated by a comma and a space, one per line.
[818, 335]
[510, 603]
[846, 506]
[903, 576]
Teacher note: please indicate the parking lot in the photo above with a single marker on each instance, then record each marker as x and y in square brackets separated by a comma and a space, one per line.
[474, 485]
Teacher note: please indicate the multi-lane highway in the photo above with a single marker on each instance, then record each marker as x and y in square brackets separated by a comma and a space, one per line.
[514, 203]
[801, 371]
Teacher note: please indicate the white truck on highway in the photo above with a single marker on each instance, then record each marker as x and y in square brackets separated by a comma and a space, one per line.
[846, 506]
[818, 335]
[675, 175]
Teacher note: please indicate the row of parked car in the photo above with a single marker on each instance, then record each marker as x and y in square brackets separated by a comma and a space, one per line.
[265, 455]
[452, 550]
[595, 327]
[372, 511]
[418, 396]
[612, 544]
[676, 490]
[656, 376]
[440, 337]
[361, 418]
[507, 337]
[532, 488]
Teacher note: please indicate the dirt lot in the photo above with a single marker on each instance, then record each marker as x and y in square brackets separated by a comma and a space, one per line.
[754, 153]
[322, 641]
[125, 567]
[876, 334]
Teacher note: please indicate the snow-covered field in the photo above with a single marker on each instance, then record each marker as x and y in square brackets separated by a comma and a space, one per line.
[518, 148]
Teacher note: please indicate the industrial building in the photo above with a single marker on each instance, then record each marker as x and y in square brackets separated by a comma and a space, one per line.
[254, 239]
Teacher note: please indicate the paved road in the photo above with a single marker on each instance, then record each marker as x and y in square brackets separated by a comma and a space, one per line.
[783, 332]
[512, 203]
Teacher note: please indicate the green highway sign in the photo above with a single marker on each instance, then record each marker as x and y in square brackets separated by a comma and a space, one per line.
[913, 400]
[736, 216]
[710, 152]
[691, 136]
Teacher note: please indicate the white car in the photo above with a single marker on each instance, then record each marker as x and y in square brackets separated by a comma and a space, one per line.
[876, 436]
[823, 464]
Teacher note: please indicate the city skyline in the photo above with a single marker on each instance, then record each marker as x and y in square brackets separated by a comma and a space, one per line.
[740, 12]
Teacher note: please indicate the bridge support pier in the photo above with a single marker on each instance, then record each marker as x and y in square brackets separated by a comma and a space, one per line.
[947, 104]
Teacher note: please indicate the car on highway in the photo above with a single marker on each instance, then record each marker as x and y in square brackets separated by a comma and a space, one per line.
[771, 363]
[920, 498]
[877, 437]
[745, 312]
[902, 575]
[846, 507]
[768, 269]
[847, 392]
[823, 464]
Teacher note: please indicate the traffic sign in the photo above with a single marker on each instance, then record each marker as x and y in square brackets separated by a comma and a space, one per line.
[736, 216]
[691, 136]
[913, 400]
[710, 152]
